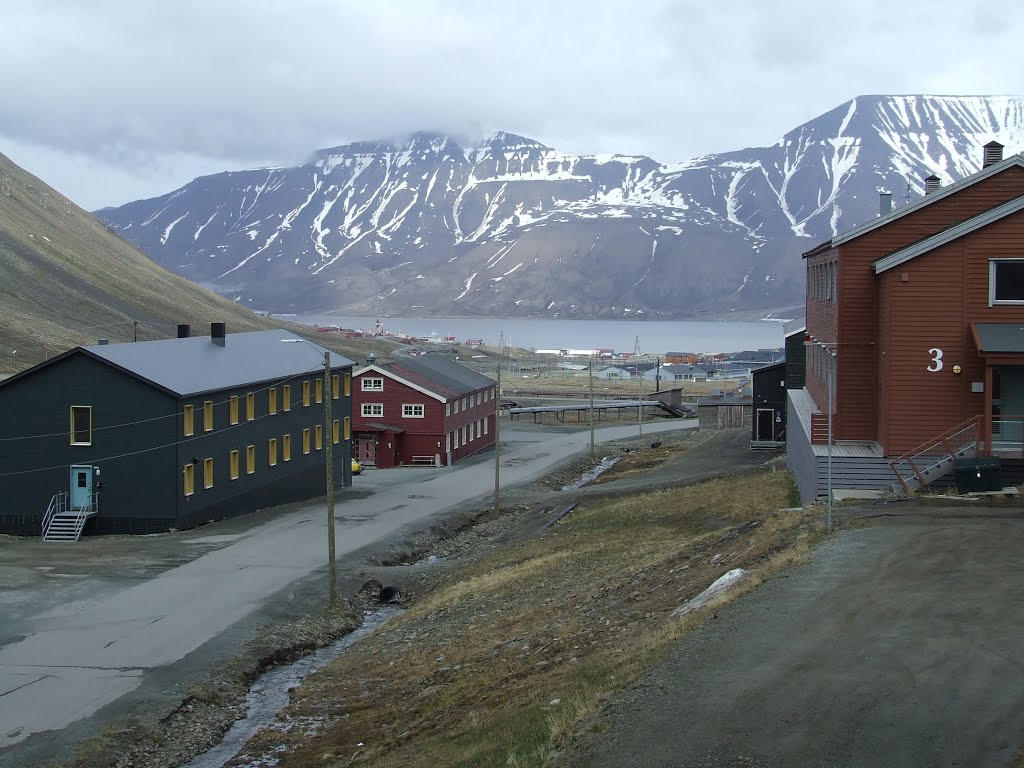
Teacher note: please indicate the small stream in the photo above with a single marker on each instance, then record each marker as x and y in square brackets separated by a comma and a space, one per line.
[606, 463]
[269, 694]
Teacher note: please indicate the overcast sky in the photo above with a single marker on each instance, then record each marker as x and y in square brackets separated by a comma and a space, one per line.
[114, 100]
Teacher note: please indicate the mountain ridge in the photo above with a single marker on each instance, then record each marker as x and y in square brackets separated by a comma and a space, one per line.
[512, 227]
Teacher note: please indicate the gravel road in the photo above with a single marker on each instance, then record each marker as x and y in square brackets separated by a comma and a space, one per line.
[899, 644]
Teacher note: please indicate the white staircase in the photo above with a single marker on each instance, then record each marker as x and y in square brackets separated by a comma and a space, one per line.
[932, 460]
[63, 522]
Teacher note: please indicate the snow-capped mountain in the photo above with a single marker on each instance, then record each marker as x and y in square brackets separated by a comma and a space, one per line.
[511, 227]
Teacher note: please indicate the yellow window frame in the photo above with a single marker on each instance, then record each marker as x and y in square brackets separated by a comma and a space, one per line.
[233, 464]
[250, 406]
[319, 390]
[272, 400]
[305, 440]
[207, 415]
[233, 409]
[347, 434]
[208, 473]
[286, 397]
[188, 420]
[318, 439]
[272, 452]
[286, 448]
[188, 479]
[250, 459]
[74, 431]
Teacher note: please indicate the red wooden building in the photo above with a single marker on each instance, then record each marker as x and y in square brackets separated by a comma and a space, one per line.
[917, 317]
[421, 410]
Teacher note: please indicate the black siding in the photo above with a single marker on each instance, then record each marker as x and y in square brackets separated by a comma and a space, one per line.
[770, 392]
[130, 457]
[796, 361]
[302, 477]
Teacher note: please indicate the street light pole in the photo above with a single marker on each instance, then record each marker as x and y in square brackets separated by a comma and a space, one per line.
[831, 396]
[639, 402]
[591, 406]
[328, 390]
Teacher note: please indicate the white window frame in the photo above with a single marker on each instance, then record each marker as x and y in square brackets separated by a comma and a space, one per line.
[409, 410]
[372, 410]
[992, 301]
[455, 445]
[485, 425]
[447, 442]
[373, 384]
[447, 409]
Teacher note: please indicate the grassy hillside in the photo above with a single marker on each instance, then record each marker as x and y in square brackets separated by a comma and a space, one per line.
[66, 280]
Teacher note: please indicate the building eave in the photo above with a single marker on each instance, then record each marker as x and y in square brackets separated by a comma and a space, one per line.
[948, 235]
[390, 375]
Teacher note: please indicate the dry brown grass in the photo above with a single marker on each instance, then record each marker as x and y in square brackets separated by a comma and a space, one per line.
[508, 655]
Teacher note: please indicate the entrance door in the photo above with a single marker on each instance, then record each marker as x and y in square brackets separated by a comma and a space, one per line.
[765, 424]
[81, 488]
[368, 449]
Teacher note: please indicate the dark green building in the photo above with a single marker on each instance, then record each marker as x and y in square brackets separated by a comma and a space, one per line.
[145, 437]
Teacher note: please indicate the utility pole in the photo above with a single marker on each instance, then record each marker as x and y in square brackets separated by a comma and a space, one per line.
[497, 445]
[657, 377]
[591, 406]
[328, 390]
[639, 402]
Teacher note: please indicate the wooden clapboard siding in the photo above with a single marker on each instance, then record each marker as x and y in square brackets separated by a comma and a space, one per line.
[860, 473]
[883, 325]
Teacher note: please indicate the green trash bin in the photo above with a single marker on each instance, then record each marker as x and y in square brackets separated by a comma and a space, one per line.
[982, 473]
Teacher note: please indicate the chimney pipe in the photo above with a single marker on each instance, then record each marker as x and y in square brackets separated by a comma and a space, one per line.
[103, 342]
[884, 203]
[992, 153]
[932, 184]
[184, 330]
[218, 333]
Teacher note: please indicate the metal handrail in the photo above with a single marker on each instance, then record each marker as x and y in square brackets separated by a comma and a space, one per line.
[937, 451]
[58, 505]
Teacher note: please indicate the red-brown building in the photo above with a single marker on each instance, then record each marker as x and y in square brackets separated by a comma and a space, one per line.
[918, 319]
[421, 410]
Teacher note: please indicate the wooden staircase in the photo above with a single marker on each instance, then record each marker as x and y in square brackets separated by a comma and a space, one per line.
[63, 522]
[933, 459]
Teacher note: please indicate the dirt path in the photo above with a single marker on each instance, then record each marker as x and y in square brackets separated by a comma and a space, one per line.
[898, 645]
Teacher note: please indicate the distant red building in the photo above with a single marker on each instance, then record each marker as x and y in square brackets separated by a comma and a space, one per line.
[426, 410]
[917, 319]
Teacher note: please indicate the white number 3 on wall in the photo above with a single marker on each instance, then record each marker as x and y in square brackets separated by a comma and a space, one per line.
[936, 363]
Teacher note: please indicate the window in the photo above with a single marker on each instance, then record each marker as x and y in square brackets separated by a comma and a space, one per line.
[463, 430]
[81, 425]
[272, 452]
[335, 432]
[286, 448]
[233, 409]
[207, 415]
[447, 442]
[485, 426]
[373, 409]
[286, 397]
[319, 439]
[305, 441]
[455, 445]
[250, 406]
[319, 390]
[412, 411]
[272, 400]
[447, 409]
[373, 385]
[455, 407]
[233, 462]
[348, 385]
[1006, 281]
[347, 434]
[207, 473]
[188, 475]
[335, 387]
[250, 459]
[305, 394]
[189, 423]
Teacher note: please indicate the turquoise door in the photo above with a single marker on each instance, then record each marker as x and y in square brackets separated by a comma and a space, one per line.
[81, 488]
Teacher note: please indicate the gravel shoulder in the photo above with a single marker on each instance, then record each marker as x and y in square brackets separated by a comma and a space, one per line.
[898, 644]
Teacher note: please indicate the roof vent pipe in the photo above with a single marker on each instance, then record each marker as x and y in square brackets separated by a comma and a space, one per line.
[884, 203]
[932, 184]
[103, 342]
[184, 331]
[218, 333]
[992, 153]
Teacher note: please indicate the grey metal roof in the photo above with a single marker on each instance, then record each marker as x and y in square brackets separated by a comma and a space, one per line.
[439, 374]
[193, 365]
[948, 235]
[795, 325]
[999, 337]
[950, 189]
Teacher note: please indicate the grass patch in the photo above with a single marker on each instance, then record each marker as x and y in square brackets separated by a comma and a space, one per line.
[508, 656]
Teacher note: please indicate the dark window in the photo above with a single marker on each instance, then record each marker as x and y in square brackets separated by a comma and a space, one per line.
[1008, 280]
[81, 425]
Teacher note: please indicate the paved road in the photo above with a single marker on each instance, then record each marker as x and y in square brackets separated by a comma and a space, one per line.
[899, 645]
[77, 657]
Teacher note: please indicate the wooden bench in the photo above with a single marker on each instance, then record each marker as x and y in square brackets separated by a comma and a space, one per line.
[423, 460]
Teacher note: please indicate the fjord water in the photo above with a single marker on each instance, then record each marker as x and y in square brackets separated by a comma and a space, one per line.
[655, 337]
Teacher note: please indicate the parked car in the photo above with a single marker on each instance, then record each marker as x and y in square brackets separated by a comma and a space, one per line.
[356, 467]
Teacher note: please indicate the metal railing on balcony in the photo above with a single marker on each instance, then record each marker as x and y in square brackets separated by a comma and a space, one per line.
[1008, 436]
